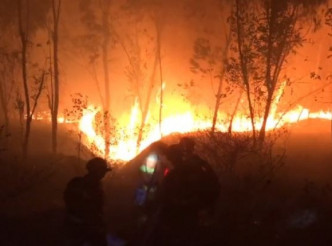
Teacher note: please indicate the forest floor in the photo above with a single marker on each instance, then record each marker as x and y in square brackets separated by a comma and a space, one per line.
[295, 208]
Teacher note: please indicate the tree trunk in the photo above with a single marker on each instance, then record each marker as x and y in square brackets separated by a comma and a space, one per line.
[26, 137]
[147, 104]
[230, 128]
[161, 77]
[244, 72]
[252, 115]
[265, 118]
[222, 74]
[4, 106]
[270, 17]
[105, 46]
[217, 105]
[24, 42]
[55, 106]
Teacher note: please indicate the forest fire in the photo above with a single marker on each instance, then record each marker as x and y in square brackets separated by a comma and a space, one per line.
[135, 122]
[126, 144]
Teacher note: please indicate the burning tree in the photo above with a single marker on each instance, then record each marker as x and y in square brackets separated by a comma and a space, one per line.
[74, 114]
[210, 57]
[266, 33]
[98, 40]
[103, 33]
[145, 65]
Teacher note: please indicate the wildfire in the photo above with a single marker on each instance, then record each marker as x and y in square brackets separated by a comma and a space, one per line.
[126, 147]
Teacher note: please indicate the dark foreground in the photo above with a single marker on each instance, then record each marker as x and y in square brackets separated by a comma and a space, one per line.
[291, 207]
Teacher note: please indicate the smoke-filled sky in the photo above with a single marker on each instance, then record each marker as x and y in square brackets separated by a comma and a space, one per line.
[181, 23]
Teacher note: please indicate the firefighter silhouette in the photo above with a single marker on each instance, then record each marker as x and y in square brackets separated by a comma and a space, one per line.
[83, 198]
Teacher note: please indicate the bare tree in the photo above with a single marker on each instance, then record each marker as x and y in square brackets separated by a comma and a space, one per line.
[98, 41]
[23, 18]
[144, 63]
[245, 57]
[230, 127]
[54, 98]
[211, 61]
[328, 22]
[138, 73]
[31, 15]
[8, 61]
[219, 94]
[158, 26]
[210, 56]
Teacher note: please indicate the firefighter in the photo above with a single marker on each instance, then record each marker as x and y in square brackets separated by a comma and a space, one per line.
[83, 198]
[188, 194]
[152, 171]
[178, 198]
[180, 192]
[211, 188]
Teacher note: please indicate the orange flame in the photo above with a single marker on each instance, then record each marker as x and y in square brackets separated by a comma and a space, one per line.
[125, 149]
[184, 122]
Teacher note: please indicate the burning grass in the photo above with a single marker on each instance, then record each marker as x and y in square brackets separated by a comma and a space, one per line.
[124, 145]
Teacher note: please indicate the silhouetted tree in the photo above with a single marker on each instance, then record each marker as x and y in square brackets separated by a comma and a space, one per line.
[159, 28]
[210, 56]
[55, 81]
[75, 113]
[98, 39]
[211, 61]
[8, 65]
[144, 62]
[31, 15]
[266, 33]
[328, 22]
[8, 62]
